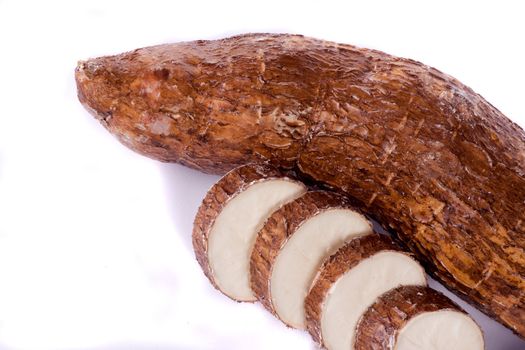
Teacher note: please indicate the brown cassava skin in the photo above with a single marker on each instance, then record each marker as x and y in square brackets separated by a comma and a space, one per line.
[278, 228]
[420, 151]
[346, 258]
[217, 197]
[379, 327]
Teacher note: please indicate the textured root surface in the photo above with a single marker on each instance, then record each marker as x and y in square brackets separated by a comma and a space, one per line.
[419, 150]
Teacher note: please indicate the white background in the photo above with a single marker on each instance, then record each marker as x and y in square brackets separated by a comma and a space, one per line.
[95, 248]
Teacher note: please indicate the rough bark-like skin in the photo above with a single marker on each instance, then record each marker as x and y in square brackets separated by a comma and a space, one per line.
[279, 227]
[379, 327]
[217, 197]
[420, 151]
[346, 258]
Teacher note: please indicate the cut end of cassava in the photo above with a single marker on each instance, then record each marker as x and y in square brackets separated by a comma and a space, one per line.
[414, 318]
[228, 220]
[350, 281]
[440, 330]
[298, 262]
[292, 246]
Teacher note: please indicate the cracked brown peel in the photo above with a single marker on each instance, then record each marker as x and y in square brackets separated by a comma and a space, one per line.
[350, 281]
[292, 245]
[228, 220]
[413, 318]
[418, 150]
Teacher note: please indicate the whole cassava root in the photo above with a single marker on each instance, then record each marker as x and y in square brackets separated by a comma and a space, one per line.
[421, 152]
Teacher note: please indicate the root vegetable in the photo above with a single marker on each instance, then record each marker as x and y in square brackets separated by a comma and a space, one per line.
[414, 318]
[292, 245]
[421, 152]
[228, 220]
[350, 281]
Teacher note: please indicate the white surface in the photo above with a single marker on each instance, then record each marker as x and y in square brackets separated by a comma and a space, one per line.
[301, 257]
[233, 234]
[95, 249]
[440, 330]
[352, 294]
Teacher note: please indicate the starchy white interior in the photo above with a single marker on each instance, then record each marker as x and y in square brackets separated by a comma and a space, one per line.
[235, 229]
[440, 330]
[301, 257]
[357, 290]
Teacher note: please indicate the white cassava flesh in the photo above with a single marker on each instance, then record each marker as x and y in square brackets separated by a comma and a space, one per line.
[350, 281]
[235, 229]
[351, 295]
[292, 245]
[228, 221]
[415, 318]
[440, 330]
[299, 260]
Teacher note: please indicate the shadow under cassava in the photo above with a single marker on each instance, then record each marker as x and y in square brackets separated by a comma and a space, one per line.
[185, 189]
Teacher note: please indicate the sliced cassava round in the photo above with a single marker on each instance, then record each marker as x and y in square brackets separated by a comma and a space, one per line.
[424, 154]
[350, 281]
[415, 318]
[228, 220]
[292, 245]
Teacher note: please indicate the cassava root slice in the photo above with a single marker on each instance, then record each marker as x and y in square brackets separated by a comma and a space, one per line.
[228, 220]
[350, 281]
[292, 245]
[418, 150]
[415, 318]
